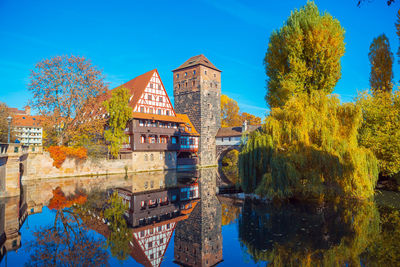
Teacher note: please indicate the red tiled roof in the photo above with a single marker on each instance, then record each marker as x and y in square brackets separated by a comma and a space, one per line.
[197, 60]
[15, 111]
[26, 120]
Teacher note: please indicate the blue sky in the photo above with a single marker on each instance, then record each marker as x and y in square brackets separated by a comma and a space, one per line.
[127, 38]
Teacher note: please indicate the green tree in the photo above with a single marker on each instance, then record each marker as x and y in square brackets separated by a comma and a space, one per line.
[118, 240]
[381, 59]
[308, 149]
[230, 166]
[304, 55]
[4, 113]
[380, 129]
[119, 114]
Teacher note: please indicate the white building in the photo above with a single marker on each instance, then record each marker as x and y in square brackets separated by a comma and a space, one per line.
[28, 129]
[231, 136]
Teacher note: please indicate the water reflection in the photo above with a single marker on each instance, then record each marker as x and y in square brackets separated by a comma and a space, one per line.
[308, 235]
[75, 223]
[198, 240]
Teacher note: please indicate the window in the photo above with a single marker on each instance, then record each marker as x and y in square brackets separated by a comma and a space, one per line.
[173, 140]
[211, 85]
[193, 83]
[205, 72]
[149, 97]
[161, 99]
[167, 112]
[169, 156]
[215, 75]
[194, 72]
[189, 129]
[168, 226]
[229, 139]
[145, 159]
[151, 182]
[177, 76]
[151, 85]
[159, 112]
[143, 140]
[142, 109]
[152, 158]
[141, 123]
[185, 74]
[142, 232]
[150, 245]
[159, 86]
[150, 110]
[186, 84]
[151, 255]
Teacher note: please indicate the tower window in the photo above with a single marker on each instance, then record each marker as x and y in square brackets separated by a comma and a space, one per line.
[211, 85]
[185, 74]
[193, 83]
[194, 72]
[215, 75]
[177, 76]
[205, 72]
[179, 85]
[186, 84]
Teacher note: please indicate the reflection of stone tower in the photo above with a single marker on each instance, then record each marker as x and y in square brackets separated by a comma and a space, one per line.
[197, 93]
[198, 239]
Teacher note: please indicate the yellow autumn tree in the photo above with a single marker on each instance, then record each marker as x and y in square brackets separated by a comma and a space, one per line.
[231, 115]
[308, 149]
[304, 55]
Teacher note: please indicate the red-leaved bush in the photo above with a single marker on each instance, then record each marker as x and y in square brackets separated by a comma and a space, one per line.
[60, 153]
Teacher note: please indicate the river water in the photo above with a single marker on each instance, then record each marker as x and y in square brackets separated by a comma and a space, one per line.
[61, 222]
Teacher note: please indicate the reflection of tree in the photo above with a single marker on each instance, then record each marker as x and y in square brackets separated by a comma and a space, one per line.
[120, 235]
[66, 242]
[230, 166]
[385, 251]
[306, 235]
[229, 213]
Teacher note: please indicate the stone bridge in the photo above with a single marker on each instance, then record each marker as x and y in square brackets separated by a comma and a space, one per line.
[13, 162]
[222, 150]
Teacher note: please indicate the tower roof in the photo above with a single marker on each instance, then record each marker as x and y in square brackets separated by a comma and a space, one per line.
[197, 60]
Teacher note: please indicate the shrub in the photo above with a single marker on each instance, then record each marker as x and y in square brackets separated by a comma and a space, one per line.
[60, 153]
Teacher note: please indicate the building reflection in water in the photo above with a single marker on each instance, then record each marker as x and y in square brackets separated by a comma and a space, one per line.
[159, 204]
[198, 240]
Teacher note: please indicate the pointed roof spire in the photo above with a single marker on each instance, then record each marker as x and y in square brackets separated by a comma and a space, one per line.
[197, 60]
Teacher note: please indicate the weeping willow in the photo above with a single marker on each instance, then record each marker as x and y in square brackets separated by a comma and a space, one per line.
[308, 149]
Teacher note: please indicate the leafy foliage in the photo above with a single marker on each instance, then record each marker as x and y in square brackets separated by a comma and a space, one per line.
[380, 129]
[118, 240]
[230, 166]
[64, 91]
[309, 149]
[60, 153]
[304, 55]
[231, 115]
[119, 113]
[60, 201]
[381, 59]
[4, 113]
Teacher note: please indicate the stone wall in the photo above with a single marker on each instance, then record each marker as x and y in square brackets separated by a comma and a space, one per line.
[40, 165]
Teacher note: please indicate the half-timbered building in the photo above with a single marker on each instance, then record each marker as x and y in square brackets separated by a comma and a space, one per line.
[155, 126]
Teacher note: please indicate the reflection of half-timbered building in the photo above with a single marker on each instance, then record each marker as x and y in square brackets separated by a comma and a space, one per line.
[155, 127]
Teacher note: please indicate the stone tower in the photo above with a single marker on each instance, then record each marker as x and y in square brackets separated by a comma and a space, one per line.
[197, 93]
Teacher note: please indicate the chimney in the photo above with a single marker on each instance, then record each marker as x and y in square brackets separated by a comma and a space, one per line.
[27, 110]
[244, 126]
